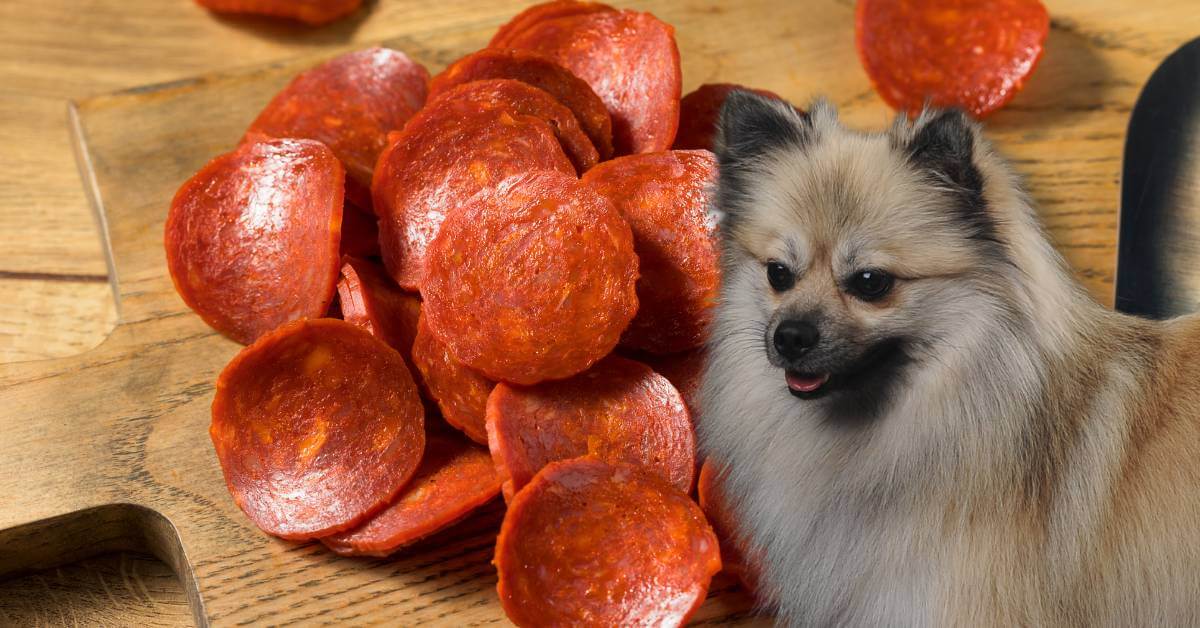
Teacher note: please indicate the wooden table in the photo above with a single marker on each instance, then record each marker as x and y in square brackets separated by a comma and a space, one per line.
[52, 272]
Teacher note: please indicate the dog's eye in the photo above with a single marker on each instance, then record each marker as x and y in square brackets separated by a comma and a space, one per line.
[869, 285]
[780, 276]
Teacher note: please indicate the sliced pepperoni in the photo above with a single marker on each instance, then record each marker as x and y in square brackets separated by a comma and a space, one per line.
[312, 12]
[455, 478]
[540, 13]
[665, 198]
[533, 280]
[700, 110]
[360, 232]
[461, 392]
[317, 425]
[591, 544]
[684, 371]
[540, 72]
[617, 411]
[448, 153]
[349, 103]
[951, 53]
[263, 212]
[371, 300]
[629, 59]
[716, 508]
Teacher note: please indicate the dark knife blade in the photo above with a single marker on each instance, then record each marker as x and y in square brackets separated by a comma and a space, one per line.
[1158, 245]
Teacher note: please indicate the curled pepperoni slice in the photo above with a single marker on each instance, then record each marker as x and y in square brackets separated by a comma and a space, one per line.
[265, 211]
[316, 426]
[665, 197]
[461, 393]
[591, 544]
[455, 478]
[629, 59]
[700, 110]
[684, 371]
[312, 12]
[360, 232]
[371, 300]
[951, 53]
[716, 508]
[349, 103]
[540, 13]
[521, 98]
[618, 411]
[447, 154]
[533, 280]
[539, 72]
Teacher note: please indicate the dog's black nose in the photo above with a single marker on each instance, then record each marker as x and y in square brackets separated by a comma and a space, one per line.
[794, 338]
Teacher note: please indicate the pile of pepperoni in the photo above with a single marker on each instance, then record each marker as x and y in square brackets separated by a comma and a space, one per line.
[496, 281]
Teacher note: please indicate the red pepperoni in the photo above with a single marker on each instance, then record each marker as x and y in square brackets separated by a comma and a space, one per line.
[372, 301]
[733, 550]
[360, 232]
[700, 111]
[316, 426]
[349, 103]
[312, 12]
[266, 211]
[520, 98]
[449, 152]
[631, 62]
[539, 72]
[619, 411]
[540, 13]
[455, 478]
[461, 392]
[532, 281]
[953, 53]
[590, 544]
[684, 371]
[665, 197]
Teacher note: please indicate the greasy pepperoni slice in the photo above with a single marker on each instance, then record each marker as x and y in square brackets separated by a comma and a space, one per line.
[312, 12]
[371, 300]
[617, 411]
[266, 211]
[455, 478]
[533, 280]
[684, 371]
[591, 544]
[448, 153]
[349, 103]
[665, 197]
[540, 13]
[700, 110]
[733, 551]
[523, 99]
[631, 62]
[316, 426]
[360, 232]
[461, 392]
[953, 53]
[540, 72]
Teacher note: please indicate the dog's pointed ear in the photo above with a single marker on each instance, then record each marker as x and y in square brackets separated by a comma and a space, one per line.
[751, 125]
[943, 142]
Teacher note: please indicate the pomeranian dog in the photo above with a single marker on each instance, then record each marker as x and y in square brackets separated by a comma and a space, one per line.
[921, 418]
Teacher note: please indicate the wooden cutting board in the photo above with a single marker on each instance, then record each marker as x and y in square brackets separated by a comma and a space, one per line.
[110, 450]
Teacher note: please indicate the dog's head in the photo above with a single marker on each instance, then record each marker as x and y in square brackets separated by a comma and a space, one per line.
[851, 255]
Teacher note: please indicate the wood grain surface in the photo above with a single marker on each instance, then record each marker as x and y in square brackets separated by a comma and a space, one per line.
[125, 422]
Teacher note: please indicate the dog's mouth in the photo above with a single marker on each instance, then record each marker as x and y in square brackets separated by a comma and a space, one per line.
[885, 357]
[806, 385]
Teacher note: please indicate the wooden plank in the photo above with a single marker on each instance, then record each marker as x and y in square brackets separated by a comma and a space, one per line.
[52, 317]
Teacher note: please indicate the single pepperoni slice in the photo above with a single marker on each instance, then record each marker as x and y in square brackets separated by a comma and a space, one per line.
[371, 300]
[316, 426]
[312, 12]
[461, 393]
[665, 197]
[349, 103]
[360, 232]
[533, 280]
[684, 371]
[540, 13]
[629, 59]
[455, 478]
[618, 411]
[542, 73]
[716, 508]
[591, 544]
[266, 211]
[951, 53]
[448, 153]
[521, 98]
[700, 110]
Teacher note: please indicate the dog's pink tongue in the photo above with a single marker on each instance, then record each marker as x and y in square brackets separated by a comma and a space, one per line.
[802, 383]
